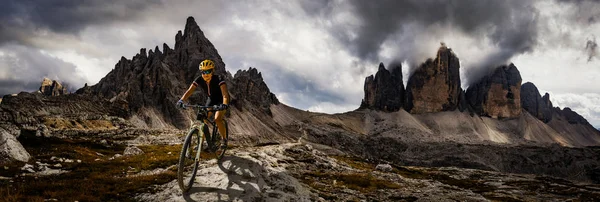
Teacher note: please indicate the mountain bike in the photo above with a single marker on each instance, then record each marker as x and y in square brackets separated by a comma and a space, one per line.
[199, 142]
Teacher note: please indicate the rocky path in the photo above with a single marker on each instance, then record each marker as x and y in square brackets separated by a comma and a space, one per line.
[251, 175]
[304, 172]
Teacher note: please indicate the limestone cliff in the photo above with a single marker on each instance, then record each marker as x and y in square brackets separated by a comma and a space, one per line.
[435, 85]
[497, 95]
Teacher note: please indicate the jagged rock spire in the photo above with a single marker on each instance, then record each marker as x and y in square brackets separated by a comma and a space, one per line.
[385, 91]
[534, 103]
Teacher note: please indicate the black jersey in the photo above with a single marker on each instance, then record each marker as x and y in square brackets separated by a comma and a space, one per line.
[213, 88]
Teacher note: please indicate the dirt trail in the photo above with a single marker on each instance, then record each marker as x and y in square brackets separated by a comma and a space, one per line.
[249, 175]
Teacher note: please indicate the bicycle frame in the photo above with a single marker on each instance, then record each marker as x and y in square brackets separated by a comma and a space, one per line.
[199, 132]
[205, 122]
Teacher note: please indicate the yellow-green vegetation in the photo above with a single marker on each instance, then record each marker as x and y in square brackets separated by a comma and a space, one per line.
[355, 162]
[364, 182]
[96, 178]
[63, 123]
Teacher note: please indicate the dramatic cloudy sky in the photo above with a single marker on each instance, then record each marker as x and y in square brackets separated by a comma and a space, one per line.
[314, 54]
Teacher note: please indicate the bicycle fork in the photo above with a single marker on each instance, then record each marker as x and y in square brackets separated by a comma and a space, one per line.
[199, 148]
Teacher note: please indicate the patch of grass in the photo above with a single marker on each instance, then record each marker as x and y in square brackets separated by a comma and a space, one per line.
[92, 179]
[355, 162]
[63, 123]
[410, 173]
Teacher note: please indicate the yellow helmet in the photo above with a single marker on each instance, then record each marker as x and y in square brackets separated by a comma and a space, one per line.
[206, 65]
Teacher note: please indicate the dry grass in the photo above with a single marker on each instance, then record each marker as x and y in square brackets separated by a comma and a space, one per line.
[96, 178]
[362, 182]
[355, 162]
[62, 123]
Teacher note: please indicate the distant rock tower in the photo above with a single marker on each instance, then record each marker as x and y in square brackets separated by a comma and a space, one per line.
[435, 85]
[497, 95]
[384, 91]
[52, 88]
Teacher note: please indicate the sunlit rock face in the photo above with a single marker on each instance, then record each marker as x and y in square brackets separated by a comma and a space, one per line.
[435, 85]
[497, 95]
[385, 90]
[52, 88]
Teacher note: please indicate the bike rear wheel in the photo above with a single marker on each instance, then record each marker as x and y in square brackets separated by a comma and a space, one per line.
[188, 161]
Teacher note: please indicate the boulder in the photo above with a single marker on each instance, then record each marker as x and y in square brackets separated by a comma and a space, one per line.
[435, 85]
[132, 150]
[385, 91]
[384, 167]
[497, 95]
[10, 149]
[536, 105]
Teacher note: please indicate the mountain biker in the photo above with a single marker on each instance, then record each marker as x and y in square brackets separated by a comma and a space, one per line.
[216, 88]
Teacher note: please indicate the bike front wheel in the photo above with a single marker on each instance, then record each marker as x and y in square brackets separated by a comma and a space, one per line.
[188, 159]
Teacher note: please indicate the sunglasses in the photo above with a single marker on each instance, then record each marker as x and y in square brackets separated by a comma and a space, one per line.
[206, 71]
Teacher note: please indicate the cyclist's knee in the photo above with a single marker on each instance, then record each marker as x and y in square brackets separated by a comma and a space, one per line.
[219, 117]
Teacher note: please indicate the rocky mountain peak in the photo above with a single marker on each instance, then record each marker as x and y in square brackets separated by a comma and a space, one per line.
[571, 116]
[435, 85]
[52, 88]
[384, 91]
[248, 87]
[498, 94]
[153, 80]
[534, 103]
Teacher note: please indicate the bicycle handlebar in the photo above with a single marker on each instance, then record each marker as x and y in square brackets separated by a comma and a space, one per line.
[207, 108]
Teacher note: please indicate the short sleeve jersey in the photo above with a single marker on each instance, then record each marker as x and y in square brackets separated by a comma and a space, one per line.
[213, 88]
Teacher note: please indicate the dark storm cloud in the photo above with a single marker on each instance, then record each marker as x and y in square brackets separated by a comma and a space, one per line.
[24, 68]
[301, 92]
[19, 19]
[509, 25]
[11, 86]
[591, 48]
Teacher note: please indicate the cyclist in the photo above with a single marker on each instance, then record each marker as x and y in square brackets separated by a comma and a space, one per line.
[216, 88]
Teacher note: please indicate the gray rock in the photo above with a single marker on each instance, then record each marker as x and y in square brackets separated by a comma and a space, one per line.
[132, 150]
[28, 168]
[384, 167]
[11, 149]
